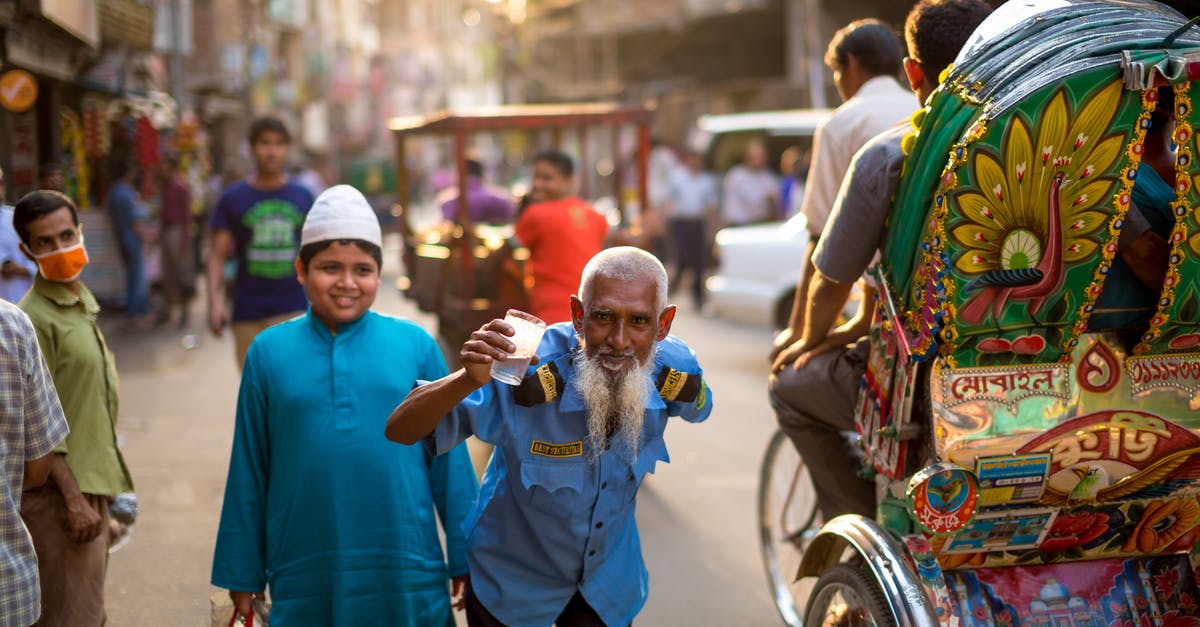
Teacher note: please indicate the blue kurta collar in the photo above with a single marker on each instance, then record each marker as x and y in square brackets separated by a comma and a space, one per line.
[343, 330]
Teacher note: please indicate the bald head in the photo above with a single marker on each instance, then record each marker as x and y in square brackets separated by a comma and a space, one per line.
[625, 264]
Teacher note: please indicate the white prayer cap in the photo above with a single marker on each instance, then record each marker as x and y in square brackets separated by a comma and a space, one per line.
[341, 212]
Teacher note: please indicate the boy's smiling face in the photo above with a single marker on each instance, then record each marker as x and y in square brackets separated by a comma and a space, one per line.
[341, 282]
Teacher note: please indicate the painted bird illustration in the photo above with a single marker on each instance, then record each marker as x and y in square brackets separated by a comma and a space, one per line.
[1091, 481]
[1033, 284]
[949, 491]
[1037, 203]
[1163, 469]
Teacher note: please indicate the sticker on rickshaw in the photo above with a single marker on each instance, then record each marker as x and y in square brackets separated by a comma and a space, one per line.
[1006, 530]
[943, 498]
[1012, 478]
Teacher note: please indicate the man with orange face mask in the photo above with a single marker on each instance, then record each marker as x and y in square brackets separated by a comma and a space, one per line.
[68, 517]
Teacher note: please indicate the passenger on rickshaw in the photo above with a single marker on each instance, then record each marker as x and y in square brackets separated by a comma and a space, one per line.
[484, 204]
[1140, 268]
[815, 397]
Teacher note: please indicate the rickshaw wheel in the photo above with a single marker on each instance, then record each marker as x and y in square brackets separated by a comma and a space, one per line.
[846, 595]
[788, 519]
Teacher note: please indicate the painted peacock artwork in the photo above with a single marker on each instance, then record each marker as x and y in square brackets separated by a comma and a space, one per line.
[1038, 205]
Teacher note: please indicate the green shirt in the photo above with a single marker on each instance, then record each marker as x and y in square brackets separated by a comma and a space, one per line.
[86, 377]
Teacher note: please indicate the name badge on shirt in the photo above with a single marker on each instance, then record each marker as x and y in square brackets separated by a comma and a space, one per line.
[546, 449]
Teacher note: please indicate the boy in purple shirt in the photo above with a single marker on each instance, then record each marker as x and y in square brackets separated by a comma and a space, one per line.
[257, 223]
[483, 204]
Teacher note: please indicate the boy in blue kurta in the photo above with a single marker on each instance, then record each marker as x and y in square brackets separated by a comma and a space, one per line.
[338, 521]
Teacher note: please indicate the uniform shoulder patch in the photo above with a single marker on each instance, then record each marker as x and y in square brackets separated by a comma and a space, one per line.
[542, 386]
[674, 385]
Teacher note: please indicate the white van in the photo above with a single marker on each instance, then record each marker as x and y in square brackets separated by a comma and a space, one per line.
[758, 265]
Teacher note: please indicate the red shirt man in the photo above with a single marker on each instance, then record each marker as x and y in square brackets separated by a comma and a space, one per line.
[562, 233]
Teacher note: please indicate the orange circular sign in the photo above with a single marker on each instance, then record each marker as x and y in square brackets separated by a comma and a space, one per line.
[18, 90]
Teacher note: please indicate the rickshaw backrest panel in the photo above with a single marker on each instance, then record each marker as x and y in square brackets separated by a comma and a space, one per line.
[1005, 226]
[1136, 417]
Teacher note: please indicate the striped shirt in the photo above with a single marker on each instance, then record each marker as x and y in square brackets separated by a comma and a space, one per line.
[31, 425]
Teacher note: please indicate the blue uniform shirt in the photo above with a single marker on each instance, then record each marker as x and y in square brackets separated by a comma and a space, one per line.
[548, 521]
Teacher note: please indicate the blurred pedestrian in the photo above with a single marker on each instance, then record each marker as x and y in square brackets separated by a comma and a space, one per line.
[561, 231]
[68, 517]
[257, 223]
[661, 166]
[751, 189]
[692, 207]
[865, 57]
[484, 205]
[31, 426]
[128, 216]
[16, 270]
[312, 177]
[175, 241]
[793, 164]
[339, 522]
[553, 538]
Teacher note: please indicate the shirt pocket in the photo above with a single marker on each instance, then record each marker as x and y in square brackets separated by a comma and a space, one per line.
[654, 451]
[556, 487]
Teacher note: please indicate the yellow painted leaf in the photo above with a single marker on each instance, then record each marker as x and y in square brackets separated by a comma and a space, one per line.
[1077, 198]
[1083, 224]
[1078, 250]
[977, 237]
[1052, 132]
[990, 177]
[977, 209]
[1018, 157]
[969, 263]
[1101, 159]
[1095, 117]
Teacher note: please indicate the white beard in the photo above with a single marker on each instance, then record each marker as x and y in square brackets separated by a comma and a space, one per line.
[613, 399]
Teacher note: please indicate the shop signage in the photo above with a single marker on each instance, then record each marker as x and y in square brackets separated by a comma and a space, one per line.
[40, 50]
[18, 90]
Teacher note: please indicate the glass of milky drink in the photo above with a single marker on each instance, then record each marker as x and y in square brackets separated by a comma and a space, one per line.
[529, 329]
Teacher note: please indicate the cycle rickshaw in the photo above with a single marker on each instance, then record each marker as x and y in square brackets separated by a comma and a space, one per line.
[467, 273]
[1030, 469]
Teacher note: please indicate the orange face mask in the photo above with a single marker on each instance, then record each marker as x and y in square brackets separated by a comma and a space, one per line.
[63, 265]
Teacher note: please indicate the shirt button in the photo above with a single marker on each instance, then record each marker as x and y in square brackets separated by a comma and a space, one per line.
[599, 525]
[604, 485]
[631, 476]
[591, 552]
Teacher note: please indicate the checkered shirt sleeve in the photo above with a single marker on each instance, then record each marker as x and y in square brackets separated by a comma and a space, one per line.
[45, 424]
[31, 425]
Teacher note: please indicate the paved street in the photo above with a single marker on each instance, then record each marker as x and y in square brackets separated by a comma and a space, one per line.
[696, 514]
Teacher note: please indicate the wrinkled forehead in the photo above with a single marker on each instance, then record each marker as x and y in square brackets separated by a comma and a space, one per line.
[636, 294]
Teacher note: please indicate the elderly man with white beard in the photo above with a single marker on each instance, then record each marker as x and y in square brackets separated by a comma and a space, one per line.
[553, 538]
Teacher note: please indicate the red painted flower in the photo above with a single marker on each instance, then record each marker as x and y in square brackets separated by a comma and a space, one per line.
[1072, 530]
[1165, 582]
